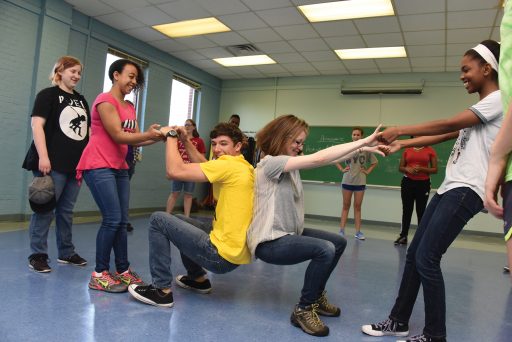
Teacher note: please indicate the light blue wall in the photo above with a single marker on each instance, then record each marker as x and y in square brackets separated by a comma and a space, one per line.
[33, 34]
[318, 100]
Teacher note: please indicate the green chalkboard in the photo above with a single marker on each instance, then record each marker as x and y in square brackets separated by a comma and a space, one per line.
[386, 173]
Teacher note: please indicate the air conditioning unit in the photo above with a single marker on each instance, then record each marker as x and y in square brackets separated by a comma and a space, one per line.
[382, 88]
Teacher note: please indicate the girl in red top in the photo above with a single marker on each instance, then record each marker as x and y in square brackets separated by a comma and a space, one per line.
[186, 187]
[417, 164]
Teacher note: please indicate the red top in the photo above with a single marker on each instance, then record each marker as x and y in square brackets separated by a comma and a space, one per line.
[421, 158]
[198, 144]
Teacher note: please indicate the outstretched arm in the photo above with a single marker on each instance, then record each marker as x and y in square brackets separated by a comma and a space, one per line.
[330, 154]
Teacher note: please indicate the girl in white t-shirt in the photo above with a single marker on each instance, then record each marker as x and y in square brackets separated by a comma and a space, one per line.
[458, 199]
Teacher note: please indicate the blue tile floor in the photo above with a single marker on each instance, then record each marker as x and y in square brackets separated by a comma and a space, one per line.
[252, 303]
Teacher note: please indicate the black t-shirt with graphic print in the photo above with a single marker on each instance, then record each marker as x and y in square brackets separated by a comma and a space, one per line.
[66, 128]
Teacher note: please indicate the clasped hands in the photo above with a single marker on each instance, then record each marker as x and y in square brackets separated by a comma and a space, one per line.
[384, 142]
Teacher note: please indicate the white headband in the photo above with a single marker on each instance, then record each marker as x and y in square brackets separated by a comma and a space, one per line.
[487, 55]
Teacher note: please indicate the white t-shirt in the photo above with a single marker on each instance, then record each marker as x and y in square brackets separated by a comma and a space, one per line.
[278, 202]
[469, 159]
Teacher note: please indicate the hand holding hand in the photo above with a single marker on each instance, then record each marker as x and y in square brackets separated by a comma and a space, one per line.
[382, 150]
[388, 135]
[372, 139]
[154, 132]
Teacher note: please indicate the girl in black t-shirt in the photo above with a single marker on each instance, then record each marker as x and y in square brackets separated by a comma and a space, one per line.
[60, 127]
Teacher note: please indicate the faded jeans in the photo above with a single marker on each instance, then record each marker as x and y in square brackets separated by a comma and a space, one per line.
[192, 239]
[66, 193]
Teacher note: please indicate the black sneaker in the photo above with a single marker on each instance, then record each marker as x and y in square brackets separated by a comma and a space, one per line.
[387, 327]
[402, 240]
[129, 227]
[187, 283]
[151, 295]
[307, 319]
[423, 338]
[39, 262]
[506, 269]
[325, 308]
[75, 259]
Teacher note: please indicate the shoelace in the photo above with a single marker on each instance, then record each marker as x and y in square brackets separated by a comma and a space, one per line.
[323, 301]
[132, 275]
[386, 325]
[312, 317]
[418, 338]
[109, 278]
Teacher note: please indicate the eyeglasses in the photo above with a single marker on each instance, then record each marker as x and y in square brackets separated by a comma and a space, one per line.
[188, 125]
[298, 142]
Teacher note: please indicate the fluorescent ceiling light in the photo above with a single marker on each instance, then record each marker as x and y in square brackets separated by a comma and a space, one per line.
[382, 52]
[192, 27]
[349, 9]
[245, 60]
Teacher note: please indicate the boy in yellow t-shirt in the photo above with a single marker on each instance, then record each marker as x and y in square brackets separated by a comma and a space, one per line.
[219, 247]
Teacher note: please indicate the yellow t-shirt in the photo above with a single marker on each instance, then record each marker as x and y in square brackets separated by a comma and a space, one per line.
[233, 188]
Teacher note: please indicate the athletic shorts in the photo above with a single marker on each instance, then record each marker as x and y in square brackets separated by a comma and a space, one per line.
[186, 187]
[507, 210]
[353, 187]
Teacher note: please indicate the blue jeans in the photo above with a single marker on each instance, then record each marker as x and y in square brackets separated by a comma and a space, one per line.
[66, 193]
[323, 248]
[442, 221]
[192, 240]
[110, 189]
[186, 187]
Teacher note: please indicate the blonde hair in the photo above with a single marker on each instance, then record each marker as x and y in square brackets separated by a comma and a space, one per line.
[272, 138]
[63, 63]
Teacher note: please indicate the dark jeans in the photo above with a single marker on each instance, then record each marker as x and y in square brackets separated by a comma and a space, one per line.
[443, 220]
[413, 191]
[192, 239]
[323, 248]
[110, 189]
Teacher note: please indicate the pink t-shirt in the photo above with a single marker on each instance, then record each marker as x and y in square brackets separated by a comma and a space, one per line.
[102, 151]
[198, 144]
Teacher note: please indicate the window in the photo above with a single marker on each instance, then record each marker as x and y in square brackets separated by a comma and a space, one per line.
[183, 96]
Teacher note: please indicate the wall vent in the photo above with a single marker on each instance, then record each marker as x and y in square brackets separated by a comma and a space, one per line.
[243, 50]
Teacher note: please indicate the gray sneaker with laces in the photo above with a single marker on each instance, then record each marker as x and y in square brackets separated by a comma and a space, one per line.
[325, 308]
[307, 319]
[387, 327]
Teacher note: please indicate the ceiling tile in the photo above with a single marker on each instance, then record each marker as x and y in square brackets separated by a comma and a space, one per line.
[184, 10]
[377, 25]
[282, 16]
[384, 39]
[468, 35]
[119, 20]
[348, 42]
[92, 8]
[242, 21]
[403, 7]
[459, 49]
[222, 7]
[424, 37]
[270, 68]
[465, 5]
[296, 32]
[471, 19]
[384, 63]
[453, 62]
[298, 67]
[309, 44]
[275, 47]
[257, 5]
[427, 61]
[364, 71]
[150, 15]
[189, 55]
[335, 65]
[145, 34]
[336, 28]
[260, 35]
[169, 45]
[121, 5]
[287, 57]
[425, 69]
[396, 70]
[227, 38]
[426, 50]
[418, 22]
[215, 52]
[359, 64]
[204, 63]
[316, 56]
[196, 42]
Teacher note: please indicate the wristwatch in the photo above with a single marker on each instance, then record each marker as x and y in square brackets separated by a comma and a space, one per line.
[171, 134]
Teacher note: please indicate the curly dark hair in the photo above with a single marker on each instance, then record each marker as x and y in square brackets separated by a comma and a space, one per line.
[228, 130]
[119, 66]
